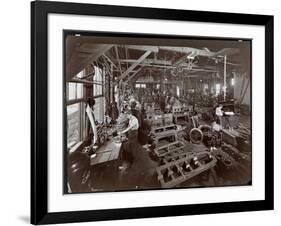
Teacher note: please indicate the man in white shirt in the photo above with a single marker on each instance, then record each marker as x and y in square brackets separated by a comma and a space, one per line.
[219, 114]
[133, 126]
[132, 131]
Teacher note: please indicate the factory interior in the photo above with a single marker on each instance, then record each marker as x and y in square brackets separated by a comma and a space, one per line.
[148, 112]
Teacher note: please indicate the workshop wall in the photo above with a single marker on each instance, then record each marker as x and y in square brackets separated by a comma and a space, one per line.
[242, 90]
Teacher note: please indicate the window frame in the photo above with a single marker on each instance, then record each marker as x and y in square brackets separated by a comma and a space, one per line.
[82, 110]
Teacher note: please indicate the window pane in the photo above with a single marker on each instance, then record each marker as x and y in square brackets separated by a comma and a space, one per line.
[73, 124]
[79, 90]
[218, 89]
[99, 109]
[232, 81]
[98, 74]
[178, 91]
[71, 91]
[75, 90]
[97, 88]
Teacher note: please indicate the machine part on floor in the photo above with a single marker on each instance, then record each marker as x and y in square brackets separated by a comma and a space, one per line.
[207, 114]
[175, 156]
[178, 109]
[196, 136]
[235, 153]
[161, 120]
[244, 133]
[212, 139]
[159, 129]
[174, 173]
[167, 119]
[205, 129]
[169, 149]
[185, 153]
[181, 118]
[163, 132]
[244, 146]
[223, 158]
[163, 135]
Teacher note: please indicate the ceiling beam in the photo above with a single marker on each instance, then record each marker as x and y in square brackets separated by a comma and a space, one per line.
[173, 67]
[180, 60]
[226, 52]
[187, 50]
[109, 60]
[78, 80]
[154, 49]
[146, 61]
[78, 62]
[103, 49]
[117, 55]
[134, 74]
[134, 65]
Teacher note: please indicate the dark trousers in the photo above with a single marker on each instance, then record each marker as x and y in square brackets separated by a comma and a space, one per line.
[133, 143]
[130, 150]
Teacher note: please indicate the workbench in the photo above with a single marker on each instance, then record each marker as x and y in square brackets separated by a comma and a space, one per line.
[108, 152]
[184, 116]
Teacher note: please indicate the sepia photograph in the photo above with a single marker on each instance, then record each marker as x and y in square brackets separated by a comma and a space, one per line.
[144, 112]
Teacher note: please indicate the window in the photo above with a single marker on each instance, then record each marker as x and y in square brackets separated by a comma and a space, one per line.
[218, 89]
[116, 94]
[74, 115]
[232, 81]
[75, 112]
[140, 85]
[205, 88]
[99, 108]
[178, 91]
[75, 91]
[98, 80]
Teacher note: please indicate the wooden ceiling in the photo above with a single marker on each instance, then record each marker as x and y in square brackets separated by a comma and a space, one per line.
[126, 59]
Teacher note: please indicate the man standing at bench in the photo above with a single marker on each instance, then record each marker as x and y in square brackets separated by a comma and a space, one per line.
[132, 131]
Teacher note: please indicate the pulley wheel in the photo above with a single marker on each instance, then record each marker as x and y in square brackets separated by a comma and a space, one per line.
[196, 135]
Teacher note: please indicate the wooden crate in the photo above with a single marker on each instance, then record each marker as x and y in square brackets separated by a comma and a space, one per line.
[174, 173]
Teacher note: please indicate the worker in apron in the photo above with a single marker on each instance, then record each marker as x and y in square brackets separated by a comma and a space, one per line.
[132, 133]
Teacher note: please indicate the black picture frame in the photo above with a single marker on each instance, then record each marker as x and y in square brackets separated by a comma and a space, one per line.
[39, 112]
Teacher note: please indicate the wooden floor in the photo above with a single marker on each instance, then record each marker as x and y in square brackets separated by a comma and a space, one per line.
[141, 175]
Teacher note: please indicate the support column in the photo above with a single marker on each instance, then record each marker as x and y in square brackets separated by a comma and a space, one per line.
[224, 79]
